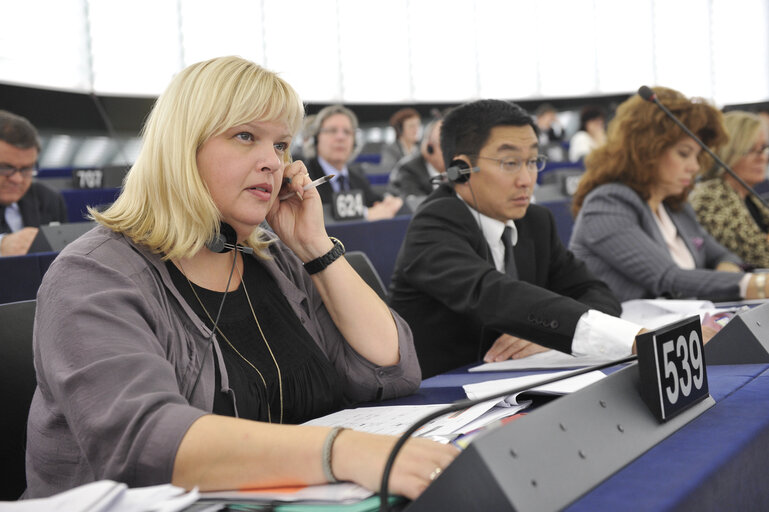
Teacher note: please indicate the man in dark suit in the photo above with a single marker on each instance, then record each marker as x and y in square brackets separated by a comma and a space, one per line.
[332, 136]
[458, 282]
[24, 204]
[414, 176]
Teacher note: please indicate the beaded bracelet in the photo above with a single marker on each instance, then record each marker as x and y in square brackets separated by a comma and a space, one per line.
[328, 444]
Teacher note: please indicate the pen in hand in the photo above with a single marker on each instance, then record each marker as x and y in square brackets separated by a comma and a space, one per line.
[313, 184]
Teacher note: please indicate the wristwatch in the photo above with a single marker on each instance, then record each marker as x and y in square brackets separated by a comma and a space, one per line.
[318, 264]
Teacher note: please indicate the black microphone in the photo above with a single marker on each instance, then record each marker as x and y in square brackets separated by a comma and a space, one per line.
[226, 240]
[649, 95]
[438, 179]
[464, 404]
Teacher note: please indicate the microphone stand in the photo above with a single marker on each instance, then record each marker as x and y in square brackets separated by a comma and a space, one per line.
[649, 95]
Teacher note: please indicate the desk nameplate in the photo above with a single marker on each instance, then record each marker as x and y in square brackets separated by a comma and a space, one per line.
[559, 452]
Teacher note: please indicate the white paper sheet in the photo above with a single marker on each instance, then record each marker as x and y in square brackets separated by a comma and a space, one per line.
[109, 496]
[552, 359]
[481, 390]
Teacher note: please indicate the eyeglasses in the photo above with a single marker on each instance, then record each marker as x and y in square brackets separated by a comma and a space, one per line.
[6, 171]
[533, 165]
[762, 151]
[334, 131]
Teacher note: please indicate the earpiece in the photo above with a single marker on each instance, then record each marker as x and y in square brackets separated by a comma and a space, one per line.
[459, 171]
[226, 240]
[430, 149]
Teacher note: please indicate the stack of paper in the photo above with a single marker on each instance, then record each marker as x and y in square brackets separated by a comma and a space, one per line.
[109, 496]
[395, 420]
[342, 493]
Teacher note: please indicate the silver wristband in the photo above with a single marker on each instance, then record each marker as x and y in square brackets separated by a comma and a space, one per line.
[328, 444]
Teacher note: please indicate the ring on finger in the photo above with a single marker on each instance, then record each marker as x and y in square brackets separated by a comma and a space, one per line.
[435, 473]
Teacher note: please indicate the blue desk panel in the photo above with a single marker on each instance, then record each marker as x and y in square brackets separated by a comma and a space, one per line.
[78, 200]
[20, 275]
[380, 240]
[719, 461]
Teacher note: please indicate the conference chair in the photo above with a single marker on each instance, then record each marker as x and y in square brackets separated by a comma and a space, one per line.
[17, 380]
[363, 266]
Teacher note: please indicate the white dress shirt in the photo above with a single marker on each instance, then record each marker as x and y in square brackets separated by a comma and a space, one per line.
[596, 333]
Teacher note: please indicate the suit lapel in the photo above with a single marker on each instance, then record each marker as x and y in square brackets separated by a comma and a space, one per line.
[316, 171]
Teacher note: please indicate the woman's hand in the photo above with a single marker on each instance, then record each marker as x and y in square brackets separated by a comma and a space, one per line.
[385, 209]
[298, 219]
[758, 286]
[728, 266]
[361, 457]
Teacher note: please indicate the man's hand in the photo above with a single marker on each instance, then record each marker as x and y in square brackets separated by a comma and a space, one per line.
[510, 347]
[709, 328]
[385, 209]
[18, 243]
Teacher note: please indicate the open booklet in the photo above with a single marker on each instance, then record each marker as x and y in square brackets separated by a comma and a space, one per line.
[396, 419]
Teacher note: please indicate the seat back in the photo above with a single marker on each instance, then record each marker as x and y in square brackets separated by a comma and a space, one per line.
[363, 266]
[17, 382]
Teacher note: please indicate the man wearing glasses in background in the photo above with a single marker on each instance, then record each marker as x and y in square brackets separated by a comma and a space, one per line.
[24, 204]
[466, 297]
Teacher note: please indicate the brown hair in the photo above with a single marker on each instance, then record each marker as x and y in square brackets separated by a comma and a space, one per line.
[18, 131]
[398, 118]
[637, 137]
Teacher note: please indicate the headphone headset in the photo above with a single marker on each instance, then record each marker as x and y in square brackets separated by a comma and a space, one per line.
[226, 240]
[459, 171]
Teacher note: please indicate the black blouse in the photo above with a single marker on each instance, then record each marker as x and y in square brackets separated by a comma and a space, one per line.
[311, 386]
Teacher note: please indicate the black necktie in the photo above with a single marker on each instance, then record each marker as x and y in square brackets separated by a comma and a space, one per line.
[4, 227]
[343, 182]
[509, 258]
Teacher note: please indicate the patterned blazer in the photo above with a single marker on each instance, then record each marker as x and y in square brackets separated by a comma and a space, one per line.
[616, 235]
[724, 214]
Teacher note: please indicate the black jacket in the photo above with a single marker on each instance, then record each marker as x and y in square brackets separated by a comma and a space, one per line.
[358, 180]
[411, 178]
[445, 285]
[39, 206]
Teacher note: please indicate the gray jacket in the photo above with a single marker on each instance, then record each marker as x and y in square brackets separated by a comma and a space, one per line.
[616, 235]
[124, 366]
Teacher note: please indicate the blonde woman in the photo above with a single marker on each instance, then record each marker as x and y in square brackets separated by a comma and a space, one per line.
[735, 218]
[161, 360]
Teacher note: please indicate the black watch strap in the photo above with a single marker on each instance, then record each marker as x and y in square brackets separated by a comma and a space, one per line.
[318, 264]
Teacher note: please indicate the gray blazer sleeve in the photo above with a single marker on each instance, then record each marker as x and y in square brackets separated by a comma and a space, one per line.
[616, 235]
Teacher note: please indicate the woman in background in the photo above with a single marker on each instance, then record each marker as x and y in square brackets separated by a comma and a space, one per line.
[407, 123]
[634, 229]
[723, 206]
[591, 134]
[147, 375]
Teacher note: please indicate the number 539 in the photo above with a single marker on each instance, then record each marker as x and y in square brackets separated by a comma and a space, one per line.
[685, 356]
